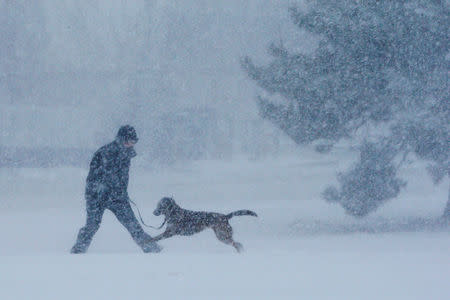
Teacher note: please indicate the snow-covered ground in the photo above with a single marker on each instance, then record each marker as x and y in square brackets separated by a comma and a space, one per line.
[299, 248]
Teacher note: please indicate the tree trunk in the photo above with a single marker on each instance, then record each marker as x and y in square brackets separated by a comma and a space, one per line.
[447, 207]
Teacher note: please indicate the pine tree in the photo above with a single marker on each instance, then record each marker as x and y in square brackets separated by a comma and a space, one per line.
[377, 63]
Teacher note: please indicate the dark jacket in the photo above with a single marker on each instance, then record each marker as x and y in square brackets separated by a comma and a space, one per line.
[109, 171]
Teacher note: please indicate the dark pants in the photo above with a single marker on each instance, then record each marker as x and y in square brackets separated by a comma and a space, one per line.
[96, 203]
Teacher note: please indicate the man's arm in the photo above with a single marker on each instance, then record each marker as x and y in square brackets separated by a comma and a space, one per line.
[96, 168]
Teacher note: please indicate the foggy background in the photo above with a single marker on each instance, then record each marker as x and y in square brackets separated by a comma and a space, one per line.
[72, 72]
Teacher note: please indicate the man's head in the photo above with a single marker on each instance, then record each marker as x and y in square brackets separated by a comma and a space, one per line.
[127, 135]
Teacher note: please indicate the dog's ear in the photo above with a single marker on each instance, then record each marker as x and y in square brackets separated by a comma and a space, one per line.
[166, 202]
[162, 206]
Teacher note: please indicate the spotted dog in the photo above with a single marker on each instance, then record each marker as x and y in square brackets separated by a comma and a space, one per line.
[185, 222]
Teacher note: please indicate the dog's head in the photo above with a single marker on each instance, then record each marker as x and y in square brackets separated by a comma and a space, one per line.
[165, 205]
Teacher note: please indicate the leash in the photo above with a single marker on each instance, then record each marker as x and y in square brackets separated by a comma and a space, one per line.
[142, 221]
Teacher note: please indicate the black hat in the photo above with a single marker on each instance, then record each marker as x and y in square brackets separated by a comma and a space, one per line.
[127, 133]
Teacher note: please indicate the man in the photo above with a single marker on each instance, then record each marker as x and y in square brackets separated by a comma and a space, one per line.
[106, 188]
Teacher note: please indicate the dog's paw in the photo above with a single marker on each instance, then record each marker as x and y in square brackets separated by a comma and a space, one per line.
[239, 248]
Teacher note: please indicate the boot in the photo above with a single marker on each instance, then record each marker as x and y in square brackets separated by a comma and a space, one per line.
[77, 250]
[151, 247]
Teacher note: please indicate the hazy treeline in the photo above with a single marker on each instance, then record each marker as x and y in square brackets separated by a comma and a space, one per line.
[71, 72]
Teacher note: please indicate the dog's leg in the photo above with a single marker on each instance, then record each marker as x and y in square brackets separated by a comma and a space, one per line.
[166, 234]
[224, 233]
[238, 246]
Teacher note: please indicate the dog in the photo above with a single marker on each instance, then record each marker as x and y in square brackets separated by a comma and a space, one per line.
[185, 222]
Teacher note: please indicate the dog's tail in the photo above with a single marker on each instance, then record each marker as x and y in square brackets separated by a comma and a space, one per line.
[244, 212]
